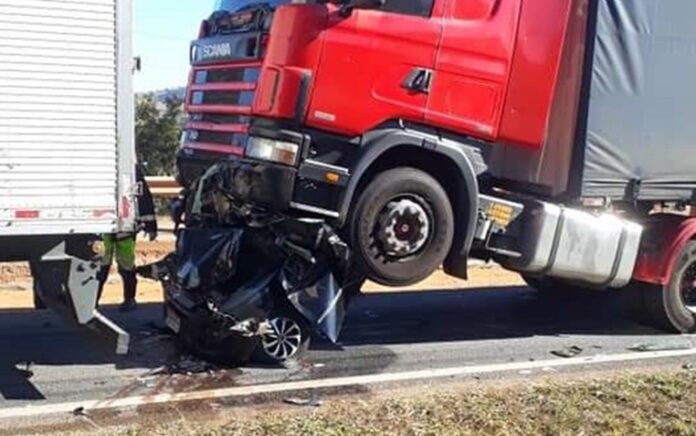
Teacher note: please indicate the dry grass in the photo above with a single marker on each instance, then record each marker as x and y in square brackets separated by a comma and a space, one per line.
[629, 405]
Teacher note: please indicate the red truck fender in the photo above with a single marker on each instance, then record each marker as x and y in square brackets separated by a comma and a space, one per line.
[663, 238]
[465, 158]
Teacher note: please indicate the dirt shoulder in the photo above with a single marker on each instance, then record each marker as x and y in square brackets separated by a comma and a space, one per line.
[16, 284]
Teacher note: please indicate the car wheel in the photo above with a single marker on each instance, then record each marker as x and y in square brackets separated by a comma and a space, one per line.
[287, 338]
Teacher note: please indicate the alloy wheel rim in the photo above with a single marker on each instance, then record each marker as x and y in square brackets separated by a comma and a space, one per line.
[403, 227]
[284, 340]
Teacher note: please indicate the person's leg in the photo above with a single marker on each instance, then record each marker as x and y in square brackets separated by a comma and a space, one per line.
[107, 259]
[125, 257]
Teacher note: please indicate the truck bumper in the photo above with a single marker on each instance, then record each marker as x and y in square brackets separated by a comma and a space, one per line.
[276, 187]
[259, 183]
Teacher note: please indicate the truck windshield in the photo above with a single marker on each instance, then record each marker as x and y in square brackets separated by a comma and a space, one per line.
[238, 5]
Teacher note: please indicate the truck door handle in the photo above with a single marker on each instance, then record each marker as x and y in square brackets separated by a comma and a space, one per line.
[419, 80]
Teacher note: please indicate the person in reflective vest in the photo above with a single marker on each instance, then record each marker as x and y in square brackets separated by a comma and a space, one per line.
[121, 246]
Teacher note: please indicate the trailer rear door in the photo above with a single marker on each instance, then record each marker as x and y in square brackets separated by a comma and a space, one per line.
[66, 142]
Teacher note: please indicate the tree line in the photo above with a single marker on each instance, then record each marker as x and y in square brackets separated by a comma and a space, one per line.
[158, 128]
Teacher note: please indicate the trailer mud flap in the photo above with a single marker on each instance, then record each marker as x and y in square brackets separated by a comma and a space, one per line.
[69, 286]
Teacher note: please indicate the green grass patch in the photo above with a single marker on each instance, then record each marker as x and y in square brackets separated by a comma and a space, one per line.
[628, 405]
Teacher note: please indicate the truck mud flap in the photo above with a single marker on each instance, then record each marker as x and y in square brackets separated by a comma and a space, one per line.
[69, 286]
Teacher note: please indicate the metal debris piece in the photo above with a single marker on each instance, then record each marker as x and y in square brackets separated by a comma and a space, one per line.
[662, 346]
[156, 371]
[148, 381]
[189, 365]
[312, 401]
[568, 352]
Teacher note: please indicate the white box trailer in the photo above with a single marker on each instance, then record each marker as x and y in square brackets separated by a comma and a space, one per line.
[67, 154]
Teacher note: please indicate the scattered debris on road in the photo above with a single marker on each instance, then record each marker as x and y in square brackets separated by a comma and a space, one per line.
[312, 401]
[186, 365]
[568, 352]
[662, 346]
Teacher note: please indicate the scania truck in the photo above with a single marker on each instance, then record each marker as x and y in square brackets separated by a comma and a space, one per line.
[555, 137]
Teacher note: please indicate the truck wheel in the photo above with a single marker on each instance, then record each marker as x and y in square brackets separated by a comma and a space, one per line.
[287, 340]
[402, 227]
[673, 306]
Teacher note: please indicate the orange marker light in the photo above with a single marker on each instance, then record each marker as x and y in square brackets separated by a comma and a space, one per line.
[332, 178]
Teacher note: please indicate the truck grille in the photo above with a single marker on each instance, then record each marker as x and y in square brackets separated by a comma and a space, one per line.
[218, 101]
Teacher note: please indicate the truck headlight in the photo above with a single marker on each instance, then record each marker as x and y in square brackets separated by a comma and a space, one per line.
[272, 150]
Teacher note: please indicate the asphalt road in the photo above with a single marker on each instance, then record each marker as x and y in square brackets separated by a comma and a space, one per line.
[42, 361]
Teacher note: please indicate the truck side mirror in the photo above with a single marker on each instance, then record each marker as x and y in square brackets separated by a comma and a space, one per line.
[347, 6]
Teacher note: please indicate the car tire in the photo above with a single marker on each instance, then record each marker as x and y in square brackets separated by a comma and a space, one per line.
[402, 227]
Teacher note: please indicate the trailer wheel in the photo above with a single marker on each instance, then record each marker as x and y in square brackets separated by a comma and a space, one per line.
[402, 227]
[673, 306]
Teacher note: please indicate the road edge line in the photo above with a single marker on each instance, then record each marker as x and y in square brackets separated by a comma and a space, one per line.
[335, 382]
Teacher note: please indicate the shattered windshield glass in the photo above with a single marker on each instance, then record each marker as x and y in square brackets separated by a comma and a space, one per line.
[238, 5]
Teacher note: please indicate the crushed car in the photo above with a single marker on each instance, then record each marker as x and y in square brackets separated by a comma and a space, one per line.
[246, 283]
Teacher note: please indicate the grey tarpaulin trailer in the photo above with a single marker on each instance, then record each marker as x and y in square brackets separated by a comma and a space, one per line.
[622, 125]
[67, 152]
[638, 135]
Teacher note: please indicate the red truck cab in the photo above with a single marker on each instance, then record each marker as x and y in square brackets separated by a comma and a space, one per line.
[317, 95]
[430, 130]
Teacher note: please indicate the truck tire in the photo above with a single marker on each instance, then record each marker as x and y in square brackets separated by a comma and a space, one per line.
[673, 306]
[402, 227]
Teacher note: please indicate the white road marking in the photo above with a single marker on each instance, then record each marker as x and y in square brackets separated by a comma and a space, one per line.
[361, 380]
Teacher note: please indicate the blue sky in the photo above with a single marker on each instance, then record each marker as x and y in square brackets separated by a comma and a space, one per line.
[163, 30]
